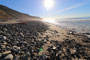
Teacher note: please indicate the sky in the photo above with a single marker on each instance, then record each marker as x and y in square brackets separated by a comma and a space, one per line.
[61, 8]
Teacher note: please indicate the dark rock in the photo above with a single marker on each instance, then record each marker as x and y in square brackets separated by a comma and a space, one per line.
[3, 37]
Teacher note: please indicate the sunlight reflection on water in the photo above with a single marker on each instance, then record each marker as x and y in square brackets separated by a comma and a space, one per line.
[50, 21]
[78, 25]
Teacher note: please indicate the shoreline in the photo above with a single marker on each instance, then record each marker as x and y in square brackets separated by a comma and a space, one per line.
[39, 40]
[67, 35]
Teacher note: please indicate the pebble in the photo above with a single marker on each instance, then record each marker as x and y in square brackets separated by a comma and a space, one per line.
[3, 46]
[9, 57]
[5, 29]
[0, 55]
[16, 57]
[88, 36]
[5, 43]
[22, 34]
[6, 52]
[16, 47]
[1, 37]
[54, 47]
[4, 37]
[22, 42]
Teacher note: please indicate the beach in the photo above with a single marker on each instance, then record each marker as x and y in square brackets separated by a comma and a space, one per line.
[37, 40]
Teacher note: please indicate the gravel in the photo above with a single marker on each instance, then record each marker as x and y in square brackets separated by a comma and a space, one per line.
[23, 42]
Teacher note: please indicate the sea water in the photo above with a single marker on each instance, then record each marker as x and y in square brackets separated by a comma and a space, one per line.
[79, 25]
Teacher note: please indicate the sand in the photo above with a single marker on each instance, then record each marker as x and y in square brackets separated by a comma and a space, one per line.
[59, 34]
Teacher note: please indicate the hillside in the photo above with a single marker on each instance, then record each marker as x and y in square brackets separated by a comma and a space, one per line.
[8, 14]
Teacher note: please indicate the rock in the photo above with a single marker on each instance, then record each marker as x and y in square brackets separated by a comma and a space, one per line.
[7, 47]
[0, 54]
[54, 47]
[5, 29]
[16, 47]
[4, 37]
[15, 50]
[26, 57]
[22, 34]
[6, 52]
[71, 32]
[16, 57]
[3, 46]
[4, 43]
[28, 53]
[87, 33]
[88, 36]
[16, 42]
[9, 57]
[1, 37]
[55, 31]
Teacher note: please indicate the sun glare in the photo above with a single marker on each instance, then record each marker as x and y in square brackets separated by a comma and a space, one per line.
[49, 20]
[48, 4]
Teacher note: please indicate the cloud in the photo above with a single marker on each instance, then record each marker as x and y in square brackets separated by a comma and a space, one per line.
[71, 7]
[66, 9]
[54, 14]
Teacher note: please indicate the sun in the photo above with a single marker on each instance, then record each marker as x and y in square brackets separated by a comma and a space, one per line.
[48, 4]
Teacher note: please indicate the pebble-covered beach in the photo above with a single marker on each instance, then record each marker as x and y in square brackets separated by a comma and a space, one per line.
[37, 40]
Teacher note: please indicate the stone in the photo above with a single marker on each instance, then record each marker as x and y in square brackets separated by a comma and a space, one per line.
[1, 37]
[16, 57]
[3, 46]
[7, 47]
[6, 52]
[54, 47]
[4, 37]
[22, 34]
[88, 36]
[25, 58]
[45, 40]
[16, 47]
[73, 51]
[9, 57]
[71, 32]
[5, 29]
[4, 43]
[0, 54]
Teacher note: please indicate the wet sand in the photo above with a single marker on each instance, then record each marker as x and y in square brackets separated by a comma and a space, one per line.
[72, 38]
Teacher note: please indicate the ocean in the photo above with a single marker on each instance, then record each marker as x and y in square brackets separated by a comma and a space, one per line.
[78, 25]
